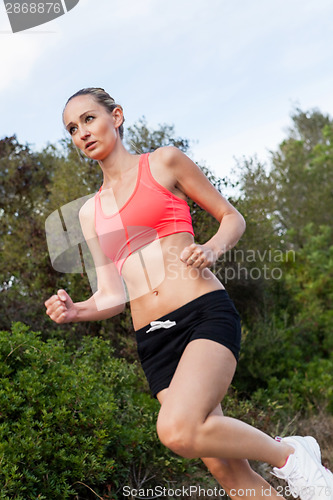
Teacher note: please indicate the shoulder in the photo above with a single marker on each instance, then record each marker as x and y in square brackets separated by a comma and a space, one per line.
[192, 182]
[173, 162]
[177, 163]
[168, 155]
[88, 208]
[169, 166]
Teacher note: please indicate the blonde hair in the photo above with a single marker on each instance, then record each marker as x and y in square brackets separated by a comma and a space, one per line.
[102, 98]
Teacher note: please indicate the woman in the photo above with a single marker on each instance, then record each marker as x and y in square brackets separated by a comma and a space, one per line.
[139, 231]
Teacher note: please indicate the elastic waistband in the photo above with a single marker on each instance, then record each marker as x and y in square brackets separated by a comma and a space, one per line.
[183, 310]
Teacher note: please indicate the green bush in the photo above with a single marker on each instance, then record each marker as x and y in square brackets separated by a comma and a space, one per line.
[305, 391]
[71, 423]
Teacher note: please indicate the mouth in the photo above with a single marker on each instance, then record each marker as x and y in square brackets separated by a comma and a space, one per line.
[90, 144]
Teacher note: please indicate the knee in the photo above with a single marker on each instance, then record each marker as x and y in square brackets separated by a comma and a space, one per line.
[177, 434]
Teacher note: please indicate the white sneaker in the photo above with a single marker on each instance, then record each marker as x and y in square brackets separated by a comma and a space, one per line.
[307, 478]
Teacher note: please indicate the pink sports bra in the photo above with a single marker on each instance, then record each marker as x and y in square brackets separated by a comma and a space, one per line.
[150, 213]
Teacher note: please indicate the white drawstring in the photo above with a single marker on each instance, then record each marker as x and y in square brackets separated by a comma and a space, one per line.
[160, 324]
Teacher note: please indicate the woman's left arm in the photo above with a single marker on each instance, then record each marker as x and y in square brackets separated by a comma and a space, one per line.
[194, 184]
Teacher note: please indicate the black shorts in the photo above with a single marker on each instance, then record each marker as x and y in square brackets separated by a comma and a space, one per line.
[211, 316]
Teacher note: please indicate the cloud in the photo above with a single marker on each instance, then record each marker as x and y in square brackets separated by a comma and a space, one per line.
[20, 52]
[214, 69]
[17, 59]
[222, 152]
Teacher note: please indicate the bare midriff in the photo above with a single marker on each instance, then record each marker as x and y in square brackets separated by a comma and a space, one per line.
[158, 282]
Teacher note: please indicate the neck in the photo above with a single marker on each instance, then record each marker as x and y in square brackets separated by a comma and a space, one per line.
[117, 163]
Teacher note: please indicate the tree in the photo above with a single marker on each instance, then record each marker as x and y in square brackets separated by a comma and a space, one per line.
[279, 200]
[288, 208]
[302, 176]
[140, 139]
[24, 195]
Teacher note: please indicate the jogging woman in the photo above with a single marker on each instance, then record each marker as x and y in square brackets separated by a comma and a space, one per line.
[139, 231]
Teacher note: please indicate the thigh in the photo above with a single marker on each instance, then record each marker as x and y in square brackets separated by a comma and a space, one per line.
[201, 380]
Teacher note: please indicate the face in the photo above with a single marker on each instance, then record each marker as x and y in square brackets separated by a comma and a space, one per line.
[92, 127]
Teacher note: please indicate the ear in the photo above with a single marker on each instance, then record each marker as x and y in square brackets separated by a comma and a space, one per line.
[118, 116]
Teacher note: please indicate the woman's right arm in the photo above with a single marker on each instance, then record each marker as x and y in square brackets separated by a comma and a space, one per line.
[110, 297]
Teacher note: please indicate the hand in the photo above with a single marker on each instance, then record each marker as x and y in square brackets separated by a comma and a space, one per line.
[60, 307]
[199, 256]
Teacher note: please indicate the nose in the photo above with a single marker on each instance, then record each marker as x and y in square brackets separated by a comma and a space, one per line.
[84, 132]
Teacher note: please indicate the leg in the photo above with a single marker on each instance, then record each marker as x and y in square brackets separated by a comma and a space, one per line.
[237, 478]
[185, 423]
[235, 475]
[188, 425]
[239, 481]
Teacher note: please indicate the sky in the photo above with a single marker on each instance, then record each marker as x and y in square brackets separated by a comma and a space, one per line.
[226, 73]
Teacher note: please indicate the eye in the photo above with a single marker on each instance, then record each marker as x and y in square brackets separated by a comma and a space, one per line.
[71, 130]
[89, 118]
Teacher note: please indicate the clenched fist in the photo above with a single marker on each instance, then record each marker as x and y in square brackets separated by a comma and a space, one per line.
[198, 256]
[60, 307]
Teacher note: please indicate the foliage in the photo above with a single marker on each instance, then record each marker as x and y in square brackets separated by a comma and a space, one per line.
[140, 139]
[291, 337]
[278, 201]
[302, 175]
[73, 418]
[22, 259]
[305, 389]
[310, 284]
